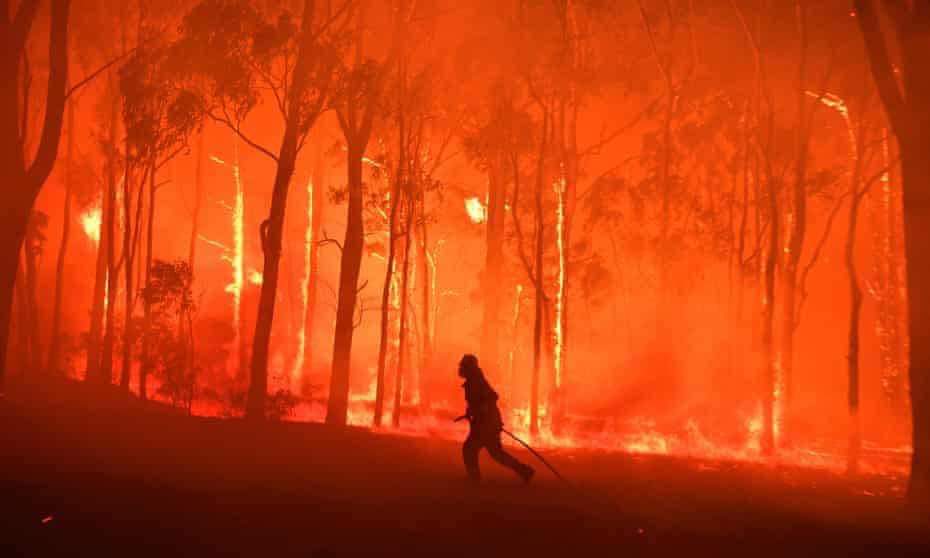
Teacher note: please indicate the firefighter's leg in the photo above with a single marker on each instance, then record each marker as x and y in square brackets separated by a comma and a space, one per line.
[497, 452]
[470, 455]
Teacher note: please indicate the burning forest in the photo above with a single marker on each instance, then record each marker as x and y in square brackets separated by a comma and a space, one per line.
[686, 228]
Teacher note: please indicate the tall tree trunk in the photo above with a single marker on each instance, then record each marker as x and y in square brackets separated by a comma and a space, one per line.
[98, 304]
[797, 229]
[384, 342]
[404, 297]
[909, 113]
[272, 231]
[24, 182]
[769, 364]
[916, 178]
[109, 222]
[349, 269]
[145, 366]
[54, 366]
[493, 264]
[855, 309]
[198, 202]
[129, 259]
[539, 285]
[427, 278]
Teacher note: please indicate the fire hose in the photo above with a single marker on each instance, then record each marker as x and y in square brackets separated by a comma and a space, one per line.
[529, 448]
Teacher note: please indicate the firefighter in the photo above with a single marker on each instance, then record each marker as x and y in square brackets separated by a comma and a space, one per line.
[486, 424]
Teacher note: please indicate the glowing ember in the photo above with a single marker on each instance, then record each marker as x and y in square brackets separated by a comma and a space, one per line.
[477, 210]
[255, 277]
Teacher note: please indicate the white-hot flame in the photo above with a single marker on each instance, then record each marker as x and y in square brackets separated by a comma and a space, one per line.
[476, 209]
[91, 220]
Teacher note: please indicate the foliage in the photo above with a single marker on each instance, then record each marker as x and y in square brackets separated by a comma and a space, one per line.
[169, 294]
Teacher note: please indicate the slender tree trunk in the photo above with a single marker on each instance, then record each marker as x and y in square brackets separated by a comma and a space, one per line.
[350, 265]
[109, 221]
[539, 275]
[404, 297]
[426, 273]
[145, 366]
[384, 342]
[272, 231]
[129, 259]
[769, 364]
[491, 280]
[94, 342]
[797, 230]
[54, 365]
[855, 309]
[198, 201]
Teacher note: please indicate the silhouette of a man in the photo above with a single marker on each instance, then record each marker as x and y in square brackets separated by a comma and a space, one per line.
[486, 424]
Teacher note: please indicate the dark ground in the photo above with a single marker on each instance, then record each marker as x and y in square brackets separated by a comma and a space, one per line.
[109, 477]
